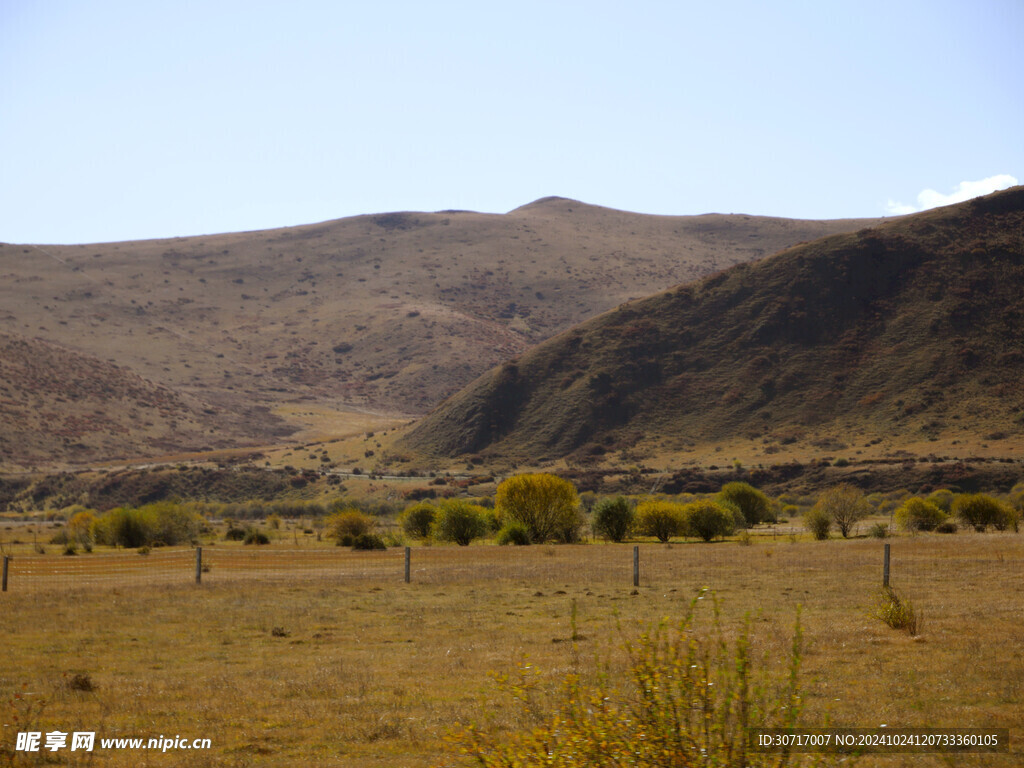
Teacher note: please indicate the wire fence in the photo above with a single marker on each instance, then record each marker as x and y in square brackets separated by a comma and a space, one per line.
[917, 565]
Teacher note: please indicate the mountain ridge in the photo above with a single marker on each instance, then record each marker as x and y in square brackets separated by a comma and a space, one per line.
[878, 331]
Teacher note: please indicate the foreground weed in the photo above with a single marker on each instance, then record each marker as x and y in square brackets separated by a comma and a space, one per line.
[897, 612]
[689, 699]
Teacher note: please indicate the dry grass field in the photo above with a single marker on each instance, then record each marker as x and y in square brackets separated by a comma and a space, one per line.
[324, 657]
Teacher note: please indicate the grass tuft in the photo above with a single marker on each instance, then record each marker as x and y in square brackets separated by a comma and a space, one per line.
[897, 612]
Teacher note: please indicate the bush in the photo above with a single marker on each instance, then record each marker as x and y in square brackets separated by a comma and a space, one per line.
[845, 505]
[460, 522]
[572, 527]
[545, 504]
[368, 541]
[660, 519]
[514, 533]
[919, 514]
[896, 611]
[879, 531]
[81, 527]
[351, 523]
[981, 511]
[164, 522]
[818, 522]
[708, 520]
[418, 519]
[689, 698]
[613, 518]
[949, 526]
[943, 499]
[252, 536]
[755, 506]
[235, 534]
[1009, 518]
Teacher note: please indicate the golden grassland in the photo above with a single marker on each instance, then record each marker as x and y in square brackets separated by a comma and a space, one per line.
[335, 661]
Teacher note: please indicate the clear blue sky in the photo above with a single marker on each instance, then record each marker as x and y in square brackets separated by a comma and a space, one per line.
[122, 119]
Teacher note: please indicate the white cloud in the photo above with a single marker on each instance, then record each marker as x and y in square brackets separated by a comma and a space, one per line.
[965, 190]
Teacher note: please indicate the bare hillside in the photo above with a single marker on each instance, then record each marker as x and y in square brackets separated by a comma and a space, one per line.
[391, 312]
[911, 330]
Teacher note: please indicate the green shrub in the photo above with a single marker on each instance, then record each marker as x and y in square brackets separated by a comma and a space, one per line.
[235, 534]
[897, 611]
[514, 533]
[368, 541]
[818, 522]
[252, 536]
[349, 522]
[1007, 518]
[688, 698]
[981, 511]
[845, 505]
[943, 499]
[164, 522]
[613, 518]
[948, 526]
[879, 531]
[460, 522]
[660, 519]
[755, 506]
[418, 519]
[917, 514]
[546, 504]
[708, 520]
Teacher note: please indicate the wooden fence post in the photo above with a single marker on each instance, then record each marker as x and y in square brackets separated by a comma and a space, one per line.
[408, 561]
[885, 568]
[199, 565]
[636, 566]
[6, 558]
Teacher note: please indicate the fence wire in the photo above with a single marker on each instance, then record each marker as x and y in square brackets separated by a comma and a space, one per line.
[919, 565]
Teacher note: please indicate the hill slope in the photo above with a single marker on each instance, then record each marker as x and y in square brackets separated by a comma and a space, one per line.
[391, 312]
[59, 405]
[913, 328]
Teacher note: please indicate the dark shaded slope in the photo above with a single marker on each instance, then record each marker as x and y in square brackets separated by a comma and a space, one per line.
[911, 328]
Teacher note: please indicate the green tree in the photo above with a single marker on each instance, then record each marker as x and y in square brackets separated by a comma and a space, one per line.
[660, 519]
[545, 504]
[845, 505]
[460, 522]
[708, 520]
[418, 519]
[347, 525]
[613, 518]
[755, 506]
[917, 514]
[818, 522]
[981, 510]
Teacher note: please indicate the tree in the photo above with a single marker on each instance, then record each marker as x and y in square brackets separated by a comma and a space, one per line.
[917, 514]
[845, 505]
[418, 519]
[81, 525]
[460, 522]
[981, 510]
[660, 519]
[818, 522]
[755, 506]
[544, 503]
[346, 526]
[708, 520]
[613, 518]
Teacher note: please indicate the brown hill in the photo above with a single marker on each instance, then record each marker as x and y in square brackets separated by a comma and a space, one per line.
[391, 312]
[912, 329]
[58, 405]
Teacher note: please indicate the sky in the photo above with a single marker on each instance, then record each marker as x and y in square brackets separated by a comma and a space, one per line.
[123, 120]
